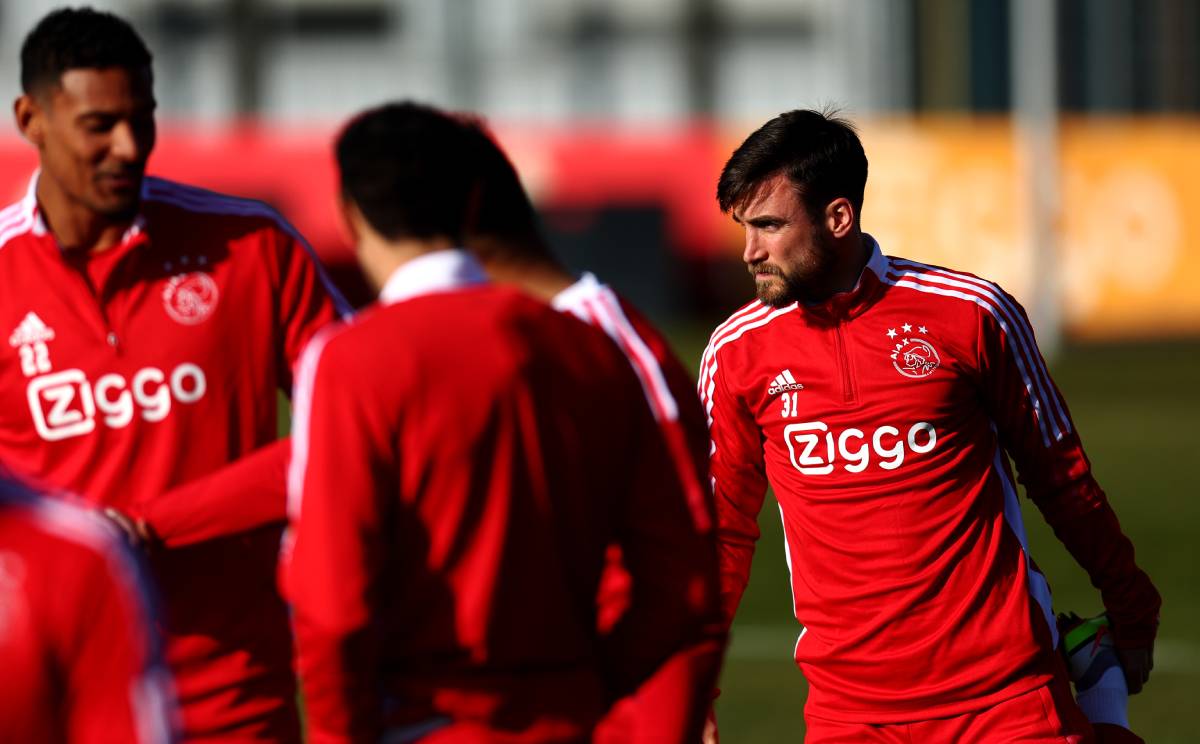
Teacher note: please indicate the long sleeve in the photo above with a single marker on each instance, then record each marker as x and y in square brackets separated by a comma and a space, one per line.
[242, 496]
[1036, 430]
[670, 640]
[738, 477]
[308, 299]
[333, 553]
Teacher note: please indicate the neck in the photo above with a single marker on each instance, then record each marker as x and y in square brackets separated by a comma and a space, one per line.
[852, 254]
[531, 267]
[75, 226]
[380, 258]
[541, 278]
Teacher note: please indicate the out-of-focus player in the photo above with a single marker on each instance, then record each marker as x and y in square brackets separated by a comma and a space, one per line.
[79, 658]
[149, 325]
[462, 457]
[504, 235]
[881, 398]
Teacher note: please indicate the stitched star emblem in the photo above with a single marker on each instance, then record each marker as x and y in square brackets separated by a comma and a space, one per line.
[891, 333]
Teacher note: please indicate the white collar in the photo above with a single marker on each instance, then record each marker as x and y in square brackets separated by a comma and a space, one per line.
[29, 205]
[878, 262]
[584, 288]
[439, 271]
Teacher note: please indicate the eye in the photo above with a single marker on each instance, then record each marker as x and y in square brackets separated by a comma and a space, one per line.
[98, 125]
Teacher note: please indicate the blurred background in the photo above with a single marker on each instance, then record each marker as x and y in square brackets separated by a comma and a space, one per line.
[1050, 145]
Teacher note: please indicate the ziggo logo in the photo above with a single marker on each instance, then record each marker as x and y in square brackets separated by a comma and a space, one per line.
[804, 440]
[65, 404]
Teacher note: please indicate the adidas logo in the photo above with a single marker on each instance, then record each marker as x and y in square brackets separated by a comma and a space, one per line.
[30, 331]
[783, 382]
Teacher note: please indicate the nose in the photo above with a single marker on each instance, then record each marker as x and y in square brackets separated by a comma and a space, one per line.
[131, 143]
[755, 250]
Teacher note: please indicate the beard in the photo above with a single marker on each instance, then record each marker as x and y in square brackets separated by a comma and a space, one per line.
[800, 281]
[776, 291]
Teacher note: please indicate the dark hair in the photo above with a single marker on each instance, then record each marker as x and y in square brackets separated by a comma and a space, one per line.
[77, 38]
[406, 167]
[819, 152]
[503, 210]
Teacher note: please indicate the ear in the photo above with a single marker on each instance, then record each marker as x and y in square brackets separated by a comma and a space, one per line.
[839, 217]
[30, 118]
[352, 217]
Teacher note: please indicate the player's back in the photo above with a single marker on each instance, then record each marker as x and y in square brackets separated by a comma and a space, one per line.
[516, 431]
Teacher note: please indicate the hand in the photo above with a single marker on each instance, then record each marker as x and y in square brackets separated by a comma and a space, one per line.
[710, 728]
[1137, 663]
[135, 531]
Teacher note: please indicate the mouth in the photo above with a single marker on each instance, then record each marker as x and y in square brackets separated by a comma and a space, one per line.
[762, 272]
[125, 181]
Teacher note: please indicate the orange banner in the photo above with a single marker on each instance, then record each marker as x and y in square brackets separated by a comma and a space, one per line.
[1126, 235]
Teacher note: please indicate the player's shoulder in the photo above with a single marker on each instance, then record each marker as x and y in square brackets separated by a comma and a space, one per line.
[431, 316]
[627, 322]
[519, 315]
[18, 219]
[173, 200]
[746, 324]
[63, 526]
[943, 284]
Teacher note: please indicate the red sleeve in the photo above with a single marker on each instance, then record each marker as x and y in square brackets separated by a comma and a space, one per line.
[738, 477]
[668, 644]
[334, 552]
[1036, 430]
[242, 496]
[308, 300]
[250, 493]
[116, 687]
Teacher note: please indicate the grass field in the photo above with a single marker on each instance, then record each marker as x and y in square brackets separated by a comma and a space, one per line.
[1137, 408]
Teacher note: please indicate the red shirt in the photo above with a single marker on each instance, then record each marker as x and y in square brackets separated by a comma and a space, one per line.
[667, 385]
[155, 364]
[455, 481]
[81, 664]
[882, 419]
[670, 393]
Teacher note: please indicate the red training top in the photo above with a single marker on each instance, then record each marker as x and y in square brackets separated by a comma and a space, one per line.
[146, 366]
[456, 477]
[80, 660]
[882, 418]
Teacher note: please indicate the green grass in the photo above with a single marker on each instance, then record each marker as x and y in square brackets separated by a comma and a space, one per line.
[1137, 408]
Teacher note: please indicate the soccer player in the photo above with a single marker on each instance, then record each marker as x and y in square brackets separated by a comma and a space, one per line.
[463, 455]
[150, 325]
[79, 655]
[882, 399]
[503, 233]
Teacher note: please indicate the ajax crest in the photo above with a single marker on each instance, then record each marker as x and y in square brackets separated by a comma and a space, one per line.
[914, 357]
[190, 298]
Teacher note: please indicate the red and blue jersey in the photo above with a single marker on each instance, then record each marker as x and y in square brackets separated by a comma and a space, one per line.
[149, 365]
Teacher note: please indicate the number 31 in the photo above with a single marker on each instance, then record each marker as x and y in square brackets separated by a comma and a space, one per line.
[789, 405]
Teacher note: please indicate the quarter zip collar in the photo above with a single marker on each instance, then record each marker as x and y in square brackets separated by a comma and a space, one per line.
[854, 302]
[32, 216]
[439, 271]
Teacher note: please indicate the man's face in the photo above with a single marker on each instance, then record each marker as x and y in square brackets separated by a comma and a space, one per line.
[786, 251]
[94, 132]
